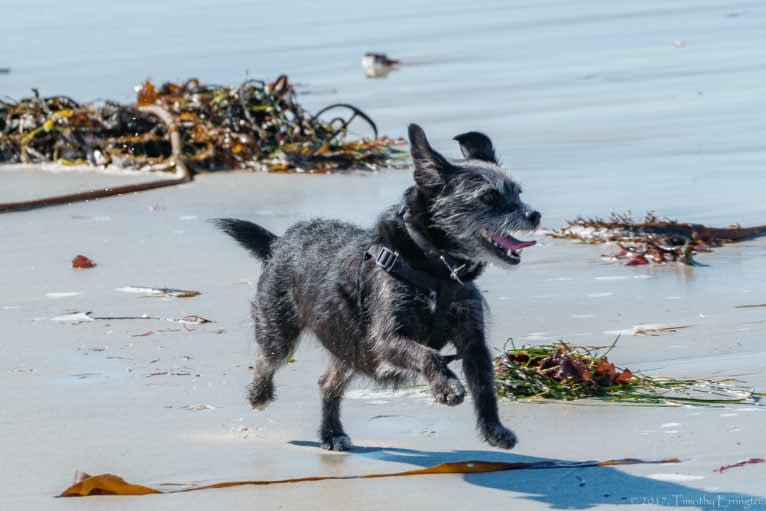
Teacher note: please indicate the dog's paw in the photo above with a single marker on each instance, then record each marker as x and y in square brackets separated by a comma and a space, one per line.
[498, 435]
[261, 394]
[340, 442]
[448, 391]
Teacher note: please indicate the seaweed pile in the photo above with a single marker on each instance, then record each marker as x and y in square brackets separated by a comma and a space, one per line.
[655, 240]
[565, 372]
[256, 125]
[652, 252]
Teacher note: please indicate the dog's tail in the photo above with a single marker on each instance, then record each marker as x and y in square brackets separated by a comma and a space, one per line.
[253, 237]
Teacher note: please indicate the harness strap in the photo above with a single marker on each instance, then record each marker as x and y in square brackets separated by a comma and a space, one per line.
[440, 293]
[448, 359]
[392, 264]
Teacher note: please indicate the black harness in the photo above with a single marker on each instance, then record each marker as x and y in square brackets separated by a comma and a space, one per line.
[441, 292]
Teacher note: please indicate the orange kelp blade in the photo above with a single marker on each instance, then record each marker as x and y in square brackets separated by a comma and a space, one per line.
[106, 484]
[109, 484]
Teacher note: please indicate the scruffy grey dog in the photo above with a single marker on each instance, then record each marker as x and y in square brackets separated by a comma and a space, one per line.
[384, 301]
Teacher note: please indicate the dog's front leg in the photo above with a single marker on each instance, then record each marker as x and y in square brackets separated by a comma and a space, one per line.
[480, 375]
[409, 356]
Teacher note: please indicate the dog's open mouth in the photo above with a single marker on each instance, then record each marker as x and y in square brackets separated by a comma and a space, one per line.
[505, 246]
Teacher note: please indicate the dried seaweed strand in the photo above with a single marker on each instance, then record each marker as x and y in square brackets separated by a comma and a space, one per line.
[621, 227]
[653, 240]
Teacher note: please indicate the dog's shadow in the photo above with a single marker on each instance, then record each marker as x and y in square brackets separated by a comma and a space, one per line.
[568, 488]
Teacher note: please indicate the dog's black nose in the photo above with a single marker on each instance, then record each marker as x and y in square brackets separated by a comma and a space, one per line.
[534, 217]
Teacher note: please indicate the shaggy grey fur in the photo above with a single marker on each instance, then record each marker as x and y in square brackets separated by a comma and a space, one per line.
[316, 277]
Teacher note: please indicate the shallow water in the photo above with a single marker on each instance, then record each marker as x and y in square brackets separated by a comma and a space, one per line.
[597, 107]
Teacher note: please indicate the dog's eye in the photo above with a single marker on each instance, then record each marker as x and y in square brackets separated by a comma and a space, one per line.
[491, 197]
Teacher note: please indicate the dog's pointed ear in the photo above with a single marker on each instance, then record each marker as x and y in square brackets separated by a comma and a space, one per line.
[431, 168]
[476, 146]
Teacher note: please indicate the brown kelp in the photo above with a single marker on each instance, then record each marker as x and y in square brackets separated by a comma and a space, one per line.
[562, 371]
[86, 485]
[657, 240]
[256, 125]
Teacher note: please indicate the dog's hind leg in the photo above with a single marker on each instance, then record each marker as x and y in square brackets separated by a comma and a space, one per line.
[276, 335]
[332, 384]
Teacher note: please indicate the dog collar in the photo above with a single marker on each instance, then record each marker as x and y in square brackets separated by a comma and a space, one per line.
[454, 265]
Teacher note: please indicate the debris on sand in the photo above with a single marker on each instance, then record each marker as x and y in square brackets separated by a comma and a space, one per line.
[82, 262]
[198, 408]
[152, 292]
[75, 318]
[191, 319]
[740, 463]
[565, 372]
[654, 240]
[648, 329]
[255, 125]
[183, 371]
[84, 317]
[656, 330]
[378, 65]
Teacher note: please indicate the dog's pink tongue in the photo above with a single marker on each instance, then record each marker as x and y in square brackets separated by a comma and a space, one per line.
[511, 243]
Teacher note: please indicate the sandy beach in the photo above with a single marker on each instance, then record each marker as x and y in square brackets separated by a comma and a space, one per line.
[103, 396]
[594, 108]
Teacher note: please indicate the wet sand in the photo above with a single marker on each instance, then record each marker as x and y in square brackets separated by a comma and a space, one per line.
[20, 185]
[88, 396]
[595, 108]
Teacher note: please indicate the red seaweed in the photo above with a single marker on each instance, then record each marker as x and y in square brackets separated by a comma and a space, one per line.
[82, 262]
[741, 463]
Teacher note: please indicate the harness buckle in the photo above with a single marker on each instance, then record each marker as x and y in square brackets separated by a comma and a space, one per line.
[454, 273]
[386, 259]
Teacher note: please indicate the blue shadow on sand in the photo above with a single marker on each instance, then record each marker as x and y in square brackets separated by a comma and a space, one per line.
[568, 488]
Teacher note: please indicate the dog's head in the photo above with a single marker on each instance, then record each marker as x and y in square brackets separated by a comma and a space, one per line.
[474, 202]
